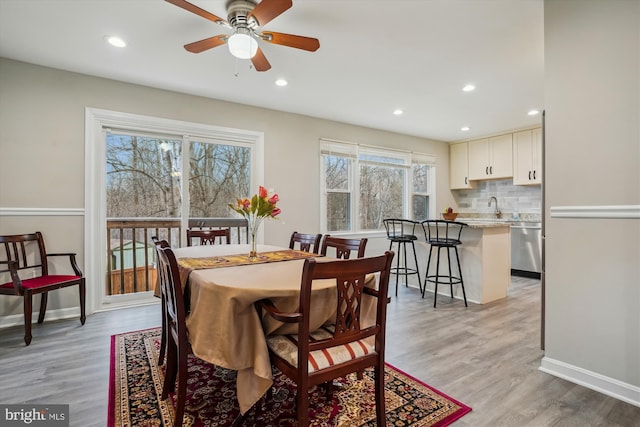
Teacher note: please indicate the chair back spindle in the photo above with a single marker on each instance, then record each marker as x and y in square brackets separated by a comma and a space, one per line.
[344, 247]
[306, 242]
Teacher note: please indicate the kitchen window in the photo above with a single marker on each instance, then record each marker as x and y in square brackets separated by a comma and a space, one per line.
[362, 185]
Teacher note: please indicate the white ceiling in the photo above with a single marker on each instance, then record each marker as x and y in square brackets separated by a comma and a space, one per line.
[375, 56]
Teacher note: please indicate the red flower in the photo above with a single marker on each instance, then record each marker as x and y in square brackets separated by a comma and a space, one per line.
[262, 192]
[274, 199]
[275, 212]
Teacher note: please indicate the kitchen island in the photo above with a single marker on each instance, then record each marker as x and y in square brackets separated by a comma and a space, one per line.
[485, 258]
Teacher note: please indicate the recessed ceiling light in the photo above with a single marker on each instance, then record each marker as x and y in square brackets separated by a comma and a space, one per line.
[281, 82]
[465, 128]
[115, 41]
[398, 112]
[469, 88]
[533, 112]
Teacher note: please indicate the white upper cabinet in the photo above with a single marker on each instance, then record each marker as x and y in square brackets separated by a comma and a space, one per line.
[459, 167]
[491, 158]
[527, 157]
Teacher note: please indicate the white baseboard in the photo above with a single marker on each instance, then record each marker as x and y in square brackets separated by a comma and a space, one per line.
[18, 319]
[594, 381]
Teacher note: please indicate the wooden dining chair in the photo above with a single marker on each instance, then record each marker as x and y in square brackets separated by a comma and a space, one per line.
[26, 253]
[178, 347]
[311, 358]
[306, 242]
[163, 341]
[344, 247]
[209, 237]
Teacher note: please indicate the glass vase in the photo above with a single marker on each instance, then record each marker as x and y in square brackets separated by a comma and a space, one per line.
[253, 223]
[253, 253]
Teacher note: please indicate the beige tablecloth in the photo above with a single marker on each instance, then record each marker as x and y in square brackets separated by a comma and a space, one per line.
[224, 327]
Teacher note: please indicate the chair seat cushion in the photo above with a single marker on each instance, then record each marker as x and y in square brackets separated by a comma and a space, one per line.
[286, 347]
[445, 242]
[42, 281]
[402, 237]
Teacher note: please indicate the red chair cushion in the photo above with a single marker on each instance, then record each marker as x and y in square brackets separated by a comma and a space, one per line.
[42, 281]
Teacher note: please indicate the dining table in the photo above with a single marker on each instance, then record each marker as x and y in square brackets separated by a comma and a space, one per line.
[222, 284]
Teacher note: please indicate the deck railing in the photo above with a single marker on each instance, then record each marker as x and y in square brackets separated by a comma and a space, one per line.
[131, 255]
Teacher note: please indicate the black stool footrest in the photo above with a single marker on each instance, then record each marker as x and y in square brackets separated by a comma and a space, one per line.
[445, 280]
[403, 270]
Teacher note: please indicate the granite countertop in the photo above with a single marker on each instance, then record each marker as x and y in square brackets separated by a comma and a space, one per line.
[485, 223]
[475, 220]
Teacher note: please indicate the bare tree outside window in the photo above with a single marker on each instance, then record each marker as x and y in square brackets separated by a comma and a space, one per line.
[143, 176]
[338, 192]
[420, 196]
[218, 175]
[381, 195]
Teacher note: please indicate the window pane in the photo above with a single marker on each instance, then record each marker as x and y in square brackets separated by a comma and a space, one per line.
[219, 174]
[420, 207]
[143, 176]
[381, 195]
[420, 178]
[336, 172]
[338, 211]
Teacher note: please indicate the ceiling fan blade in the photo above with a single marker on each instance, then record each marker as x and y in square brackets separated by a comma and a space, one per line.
[299, 42]
[260, 62]
[198, 11]
[266, 10]
[202, 45]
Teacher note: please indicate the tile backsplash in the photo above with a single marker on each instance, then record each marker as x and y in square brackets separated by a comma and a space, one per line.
[511, 198]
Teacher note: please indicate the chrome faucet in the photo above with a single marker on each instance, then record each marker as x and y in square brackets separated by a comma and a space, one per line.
[498, 213]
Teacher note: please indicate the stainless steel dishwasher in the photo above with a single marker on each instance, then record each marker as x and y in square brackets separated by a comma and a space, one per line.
[526, 249]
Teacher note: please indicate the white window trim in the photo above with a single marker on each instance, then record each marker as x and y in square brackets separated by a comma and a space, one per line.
[351, 149]
[95, 236]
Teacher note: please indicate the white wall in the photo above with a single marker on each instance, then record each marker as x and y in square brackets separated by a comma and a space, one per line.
[42, 133]
[592, 104]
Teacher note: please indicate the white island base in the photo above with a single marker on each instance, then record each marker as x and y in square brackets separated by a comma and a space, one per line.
[485, 258]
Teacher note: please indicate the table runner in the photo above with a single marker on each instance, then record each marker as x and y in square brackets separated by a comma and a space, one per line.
[243, 259]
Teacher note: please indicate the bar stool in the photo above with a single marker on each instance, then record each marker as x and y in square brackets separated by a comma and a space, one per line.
[402, 231]
[443, 234]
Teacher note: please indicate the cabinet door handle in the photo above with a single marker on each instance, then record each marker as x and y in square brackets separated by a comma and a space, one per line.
[534, 174]
[486, 170]
[465, 181]
[491, 170]
[529, 175]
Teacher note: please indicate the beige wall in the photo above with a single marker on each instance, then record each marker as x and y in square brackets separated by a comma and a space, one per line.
[42, 118]
[592, 104]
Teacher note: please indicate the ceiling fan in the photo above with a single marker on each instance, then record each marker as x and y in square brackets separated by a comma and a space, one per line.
[244, 17]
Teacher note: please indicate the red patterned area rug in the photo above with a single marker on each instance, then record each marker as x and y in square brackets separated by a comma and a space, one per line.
[136, 384]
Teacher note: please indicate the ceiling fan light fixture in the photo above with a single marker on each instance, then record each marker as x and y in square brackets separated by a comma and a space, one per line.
[242, 45]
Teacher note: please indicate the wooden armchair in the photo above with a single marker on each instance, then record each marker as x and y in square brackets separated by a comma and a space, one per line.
[316, 357]
[344, 247]
[26, 254]
[306, 242]
[209, 237]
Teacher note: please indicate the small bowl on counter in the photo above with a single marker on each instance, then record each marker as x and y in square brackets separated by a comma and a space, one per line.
[450, 216]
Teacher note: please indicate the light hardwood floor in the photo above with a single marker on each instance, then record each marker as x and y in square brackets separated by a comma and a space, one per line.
[485, 356]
